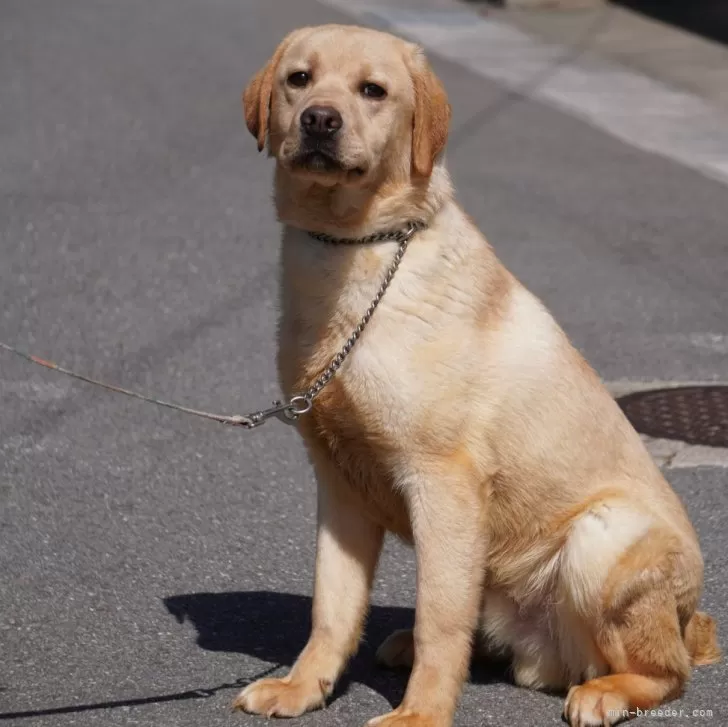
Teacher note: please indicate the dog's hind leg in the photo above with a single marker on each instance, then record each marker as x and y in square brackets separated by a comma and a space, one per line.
[648, 662]
[647, 603]
[397, 650]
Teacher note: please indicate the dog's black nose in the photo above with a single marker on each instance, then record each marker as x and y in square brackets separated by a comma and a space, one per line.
[321, 122]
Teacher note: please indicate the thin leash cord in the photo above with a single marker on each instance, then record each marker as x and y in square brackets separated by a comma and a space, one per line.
[225, 419]
[298, 404]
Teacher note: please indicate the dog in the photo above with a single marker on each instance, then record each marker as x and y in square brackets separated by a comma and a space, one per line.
[463, 421]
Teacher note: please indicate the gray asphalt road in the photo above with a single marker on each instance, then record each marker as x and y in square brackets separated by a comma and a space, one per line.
[149, 559]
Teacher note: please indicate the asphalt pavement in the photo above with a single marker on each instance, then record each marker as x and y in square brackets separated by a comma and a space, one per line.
[150, 561]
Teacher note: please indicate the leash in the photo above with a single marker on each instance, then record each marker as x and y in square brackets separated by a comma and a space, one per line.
[298, 404]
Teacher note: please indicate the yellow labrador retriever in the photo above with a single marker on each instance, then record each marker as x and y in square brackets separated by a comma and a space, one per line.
[463, 421]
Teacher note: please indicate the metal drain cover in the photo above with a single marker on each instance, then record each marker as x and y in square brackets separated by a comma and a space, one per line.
[692, 414]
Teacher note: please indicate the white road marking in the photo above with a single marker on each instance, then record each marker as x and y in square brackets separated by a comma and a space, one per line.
[638, 110]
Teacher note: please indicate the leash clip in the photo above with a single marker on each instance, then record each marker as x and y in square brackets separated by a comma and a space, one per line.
[287, 412]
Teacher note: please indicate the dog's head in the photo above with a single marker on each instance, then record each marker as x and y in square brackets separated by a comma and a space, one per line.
[341, 105]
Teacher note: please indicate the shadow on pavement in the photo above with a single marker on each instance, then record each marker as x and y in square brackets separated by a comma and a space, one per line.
[708, 18]
[273, 627]
[200, 693]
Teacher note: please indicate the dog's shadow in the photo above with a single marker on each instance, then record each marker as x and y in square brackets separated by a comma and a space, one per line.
[274, 627]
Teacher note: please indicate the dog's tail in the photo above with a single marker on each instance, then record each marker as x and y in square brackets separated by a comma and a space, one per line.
[701, 639]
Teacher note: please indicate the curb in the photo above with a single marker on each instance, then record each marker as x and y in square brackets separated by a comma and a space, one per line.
[564, 5]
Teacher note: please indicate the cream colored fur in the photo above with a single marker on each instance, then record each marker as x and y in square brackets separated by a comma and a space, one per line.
[463, 421]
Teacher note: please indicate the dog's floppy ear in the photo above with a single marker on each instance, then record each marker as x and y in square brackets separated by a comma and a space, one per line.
[257, 95]
[431, 117]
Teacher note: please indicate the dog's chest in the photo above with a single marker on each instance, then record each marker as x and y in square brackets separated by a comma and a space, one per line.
[364, 457]
[401, 397]
[365, 418]
[370, 419]
[386, 377]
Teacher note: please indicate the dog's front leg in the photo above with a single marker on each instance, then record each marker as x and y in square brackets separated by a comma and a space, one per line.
[448, 517]
[348, 546]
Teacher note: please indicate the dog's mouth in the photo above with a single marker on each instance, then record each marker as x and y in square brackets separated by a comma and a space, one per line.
[318, 160]
[323, 160]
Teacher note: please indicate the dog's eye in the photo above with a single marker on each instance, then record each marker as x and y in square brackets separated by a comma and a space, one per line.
[373, 90]
[299, 79]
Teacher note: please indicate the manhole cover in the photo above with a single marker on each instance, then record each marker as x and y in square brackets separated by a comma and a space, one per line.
[692, 414]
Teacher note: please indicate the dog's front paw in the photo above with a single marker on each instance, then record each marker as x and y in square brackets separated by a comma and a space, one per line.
[408, 718]
[281, 697]
[589, 706]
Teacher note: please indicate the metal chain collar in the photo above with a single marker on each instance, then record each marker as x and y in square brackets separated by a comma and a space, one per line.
[298, 404]
[388, 235]
[302, 403]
